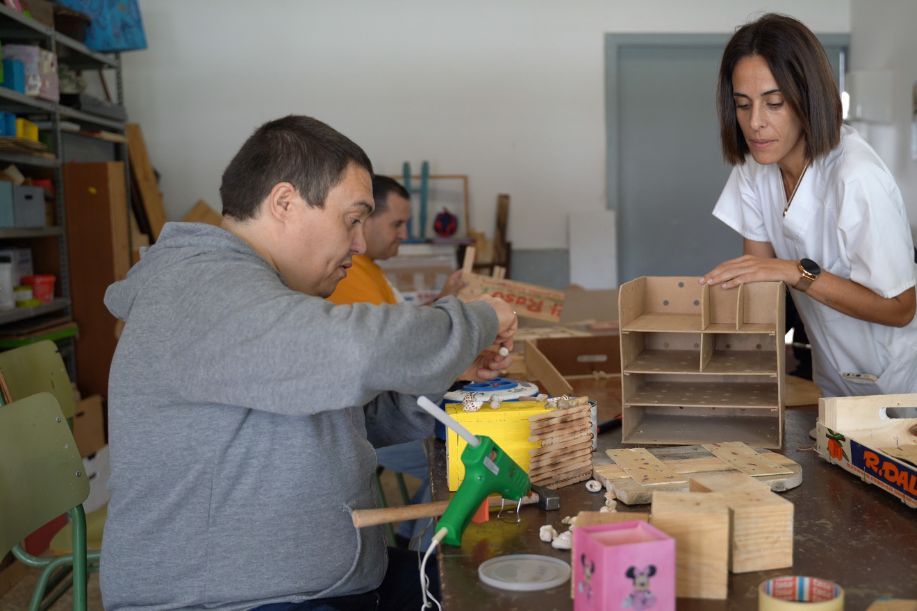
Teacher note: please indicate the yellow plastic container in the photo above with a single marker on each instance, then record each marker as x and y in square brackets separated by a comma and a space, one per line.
[507, 425]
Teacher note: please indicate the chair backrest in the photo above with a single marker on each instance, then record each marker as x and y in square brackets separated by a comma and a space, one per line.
[38, 368]
[41, 472]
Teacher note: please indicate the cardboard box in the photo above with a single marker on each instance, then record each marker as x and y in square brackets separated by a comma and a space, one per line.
[89, 425]
[6, 205]
[28, 206]
[861, 436]
[41, 78]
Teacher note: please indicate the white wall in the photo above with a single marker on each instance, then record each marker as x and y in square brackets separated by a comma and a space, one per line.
[886, 39]
[510, 93]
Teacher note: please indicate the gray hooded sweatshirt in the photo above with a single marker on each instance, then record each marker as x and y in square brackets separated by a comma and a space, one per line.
[242, 420]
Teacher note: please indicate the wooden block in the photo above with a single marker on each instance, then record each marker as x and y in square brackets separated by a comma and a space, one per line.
[723, 481]
[761, 530]
[145, 178]
[588, 518]
[202, 212]
[744, 458]
[643, 467]
[699, 523]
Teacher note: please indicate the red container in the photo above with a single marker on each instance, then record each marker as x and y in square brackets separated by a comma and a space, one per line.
[42, 286]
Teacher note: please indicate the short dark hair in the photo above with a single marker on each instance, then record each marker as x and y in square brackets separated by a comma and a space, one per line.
[382, 186]
[800, 66]
[300, 150]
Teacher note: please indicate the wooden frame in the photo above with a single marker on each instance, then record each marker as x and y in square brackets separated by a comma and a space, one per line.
[701, 364]
[431, 214]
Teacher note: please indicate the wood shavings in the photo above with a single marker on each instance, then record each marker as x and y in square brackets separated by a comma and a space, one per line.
[593, 486]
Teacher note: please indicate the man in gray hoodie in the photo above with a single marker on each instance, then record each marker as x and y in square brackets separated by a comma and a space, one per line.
[244, 407]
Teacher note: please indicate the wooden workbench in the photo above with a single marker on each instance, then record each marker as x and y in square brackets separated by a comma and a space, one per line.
[845, 531]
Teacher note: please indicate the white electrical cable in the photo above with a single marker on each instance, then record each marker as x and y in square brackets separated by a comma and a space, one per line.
[424, 580]
[434, 410]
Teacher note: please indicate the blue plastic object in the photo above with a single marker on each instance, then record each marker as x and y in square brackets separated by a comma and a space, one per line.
[14, 77]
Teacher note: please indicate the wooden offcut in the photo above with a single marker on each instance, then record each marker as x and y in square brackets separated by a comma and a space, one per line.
[745, 459]
[699, 523]
[761, 530]
[685, 462]
[566, 435]
[643, 467]
[144, 178]
[202, 212]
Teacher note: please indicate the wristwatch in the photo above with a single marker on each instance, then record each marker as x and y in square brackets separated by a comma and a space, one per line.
[810, 271]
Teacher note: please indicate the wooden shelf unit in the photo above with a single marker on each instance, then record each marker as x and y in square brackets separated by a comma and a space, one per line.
[701, 364]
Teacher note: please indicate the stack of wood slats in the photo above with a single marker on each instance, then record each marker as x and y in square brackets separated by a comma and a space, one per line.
[566, 434]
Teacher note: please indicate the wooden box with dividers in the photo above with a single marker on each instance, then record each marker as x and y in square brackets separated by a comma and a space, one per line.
[701, 364]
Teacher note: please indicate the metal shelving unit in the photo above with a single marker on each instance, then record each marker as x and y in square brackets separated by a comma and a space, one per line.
[15, 27]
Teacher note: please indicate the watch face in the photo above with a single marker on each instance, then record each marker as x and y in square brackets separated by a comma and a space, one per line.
[810, 266]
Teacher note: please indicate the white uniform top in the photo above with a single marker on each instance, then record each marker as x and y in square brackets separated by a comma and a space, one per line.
[847, 216]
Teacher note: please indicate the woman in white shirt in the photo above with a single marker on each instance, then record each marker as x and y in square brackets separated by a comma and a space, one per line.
[817, 208]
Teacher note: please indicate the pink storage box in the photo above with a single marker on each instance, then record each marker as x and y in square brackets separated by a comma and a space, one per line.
[41, 78]
[628, 565]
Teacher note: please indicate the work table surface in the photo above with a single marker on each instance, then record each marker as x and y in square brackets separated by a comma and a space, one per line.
[845, 530]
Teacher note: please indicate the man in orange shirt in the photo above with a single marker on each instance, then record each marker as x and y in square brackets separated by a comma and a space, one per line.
[384, 231]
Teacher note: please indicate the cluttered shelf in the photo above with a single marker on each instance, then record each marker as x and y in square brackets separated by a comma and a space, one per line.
[16, 314]
[30, 232]
[77, 55]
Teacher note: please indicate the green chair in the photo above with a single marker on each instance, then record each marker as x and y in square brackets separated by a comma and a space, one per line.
[41, 477]
[38, 368]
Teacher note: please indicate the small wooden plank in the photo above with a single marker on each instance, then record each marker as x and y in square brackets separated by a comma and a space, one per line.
[590, 518]
[562, 481]
[562, 470]
[562, 449]
[539, 368]
[564, 438]
[468, 262]
[643, 467]
[562, 414]
[580, 424]
[722, 481]
[145, 178]
[745, 459]
[554, 462]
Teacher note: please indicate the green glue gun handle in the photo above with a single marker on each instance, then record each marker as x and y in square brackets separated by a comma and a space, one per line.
[488, 470]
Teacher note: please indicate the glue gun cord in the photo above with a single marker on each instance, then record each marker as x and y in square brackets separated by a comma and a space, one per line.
[424, 581]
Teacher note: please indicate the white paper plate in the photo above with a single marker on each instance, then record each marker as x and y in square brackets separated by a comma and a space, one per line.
[524, 572]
